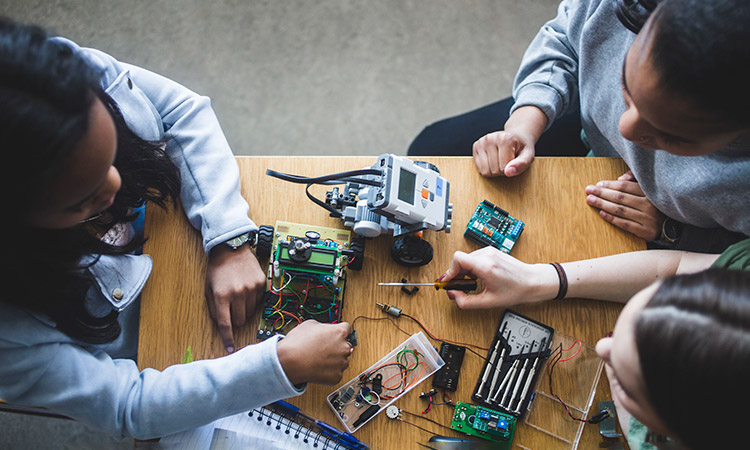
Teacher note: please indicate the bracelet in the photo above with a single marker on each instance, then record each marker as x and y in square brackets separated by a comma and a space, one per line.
[563, 291]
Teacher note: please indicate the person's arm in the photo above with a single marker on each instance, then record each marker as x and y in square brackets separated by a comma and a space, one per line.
[158, 108]
[618, 277]
[507, 281]
[511, 151]
[41, 367]
[548, 75]
[545, 86]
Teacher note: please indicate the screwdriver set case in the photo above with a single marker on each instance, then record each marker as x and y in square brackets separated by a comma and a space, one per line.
[543, 414]
[516, 357]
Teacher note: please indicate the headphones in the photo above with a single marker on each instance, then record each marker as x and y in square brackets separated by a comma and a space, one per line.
[633, 14]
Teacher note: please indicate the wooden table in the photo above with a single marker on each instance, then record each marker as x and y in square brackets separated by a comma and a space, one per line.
[549, 198]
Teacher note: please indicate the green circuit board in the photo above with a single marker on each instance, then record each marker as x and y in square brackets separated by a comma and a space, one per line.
[306, 277]
[491, 225]
[484, 423]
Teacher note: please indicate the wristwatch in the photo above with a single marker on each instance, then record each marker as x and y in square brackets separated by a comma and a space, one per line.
[671, 231]
[239, 241]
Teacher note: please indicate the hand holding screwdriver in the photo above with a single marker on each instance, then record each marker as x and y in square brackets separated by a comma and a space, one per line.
[462, 284]
[505, 281]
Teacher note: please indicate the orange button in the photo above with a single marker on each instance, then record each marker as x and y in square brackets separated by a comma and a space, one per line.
[425, 193]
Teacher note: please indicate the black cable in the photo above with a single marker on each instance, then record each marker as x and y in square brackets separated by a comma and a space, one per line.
[427, 419]
[468, 347]
[596, 418]
[336, 178]
[334, 212]
[341, 176]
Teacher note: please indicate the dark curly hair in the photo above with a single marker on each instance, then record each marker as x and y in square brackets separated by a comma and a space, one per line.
[46, 93]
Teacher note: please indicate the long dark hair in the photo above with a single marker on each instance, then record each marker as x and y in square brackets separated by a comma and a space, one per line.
[693, 340]
[699, 51]
[46, 93]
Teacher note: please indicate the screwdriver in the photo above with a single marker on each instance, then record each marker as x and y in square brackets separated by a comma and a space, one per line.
[462, 284]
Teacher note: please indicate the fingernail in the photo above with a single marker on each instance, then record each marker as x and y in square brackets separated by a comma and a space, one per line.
[590, 199]
[230, 349]
[601, 183]
[590, 189]
[442, 276]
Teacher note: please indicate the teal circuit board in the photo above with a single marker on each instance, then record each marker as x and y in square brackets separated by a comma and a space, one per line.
[484, 423]
[491, 225]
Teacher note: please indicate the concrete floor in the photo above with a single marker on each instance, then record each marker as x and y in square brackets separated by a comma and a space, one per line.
[295, 77]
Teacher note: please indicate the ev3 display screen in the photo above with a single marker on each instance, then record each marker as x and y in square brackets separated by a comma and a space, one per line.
[406, 183]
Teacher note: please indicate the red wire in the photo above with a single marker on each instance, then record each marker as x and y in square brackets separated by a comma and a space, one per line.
[429, 407]
[551, 367]
[580, 346]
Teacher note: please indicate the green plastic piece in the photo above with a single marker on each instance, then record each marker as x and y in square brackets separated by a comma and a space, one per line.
[188, 355]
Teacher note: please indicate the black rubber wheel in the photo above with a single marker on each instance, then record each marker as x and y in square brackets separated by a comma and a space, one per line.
[265, 242]
[427, 165]
[358, 248]
[411, 251]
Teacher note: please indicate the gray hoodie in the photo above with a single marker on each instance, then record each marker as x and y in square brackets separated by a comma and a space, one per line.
[576, 61]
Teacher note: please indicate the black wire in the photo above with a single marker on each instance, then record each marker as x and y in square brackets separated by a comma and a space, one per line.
[334, 212]
[427, 419]
[369, 318]
[336, 178]
[341, 176]
[440, 340]
[600, 416]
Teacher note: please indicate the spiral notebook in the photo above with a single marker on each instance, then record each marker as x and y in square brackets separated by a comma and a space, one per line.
[279, 425]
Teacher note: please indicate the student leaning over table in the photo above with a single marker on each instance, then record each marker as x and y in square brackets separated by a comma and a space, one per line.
[672, 101]
[86, 140]
[679, 357]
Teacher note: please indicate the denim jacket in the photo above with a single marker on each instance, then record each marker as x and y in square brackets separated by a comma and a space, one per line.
[100, 385]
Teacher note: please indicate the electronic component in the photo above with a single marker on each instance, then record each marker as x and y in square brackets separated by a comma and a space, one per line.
[608, 425]
[367, 415]
[513, 364]
[377, 383]
[306, 277]
[490, 225]
[394, 195]
[393, 376]
[392, 310]
[447, 377]
[485, 423]
[393, 412]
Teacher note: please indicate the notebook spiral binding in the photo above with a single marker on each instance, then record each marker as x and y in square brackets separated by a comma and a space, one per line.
[287, 417]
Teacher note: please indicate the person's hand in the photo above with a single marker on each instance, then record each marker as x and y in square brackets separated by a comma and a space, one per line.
[502, 153]
[511, 151]
[234, 284]
[622, 203]
[505, 280]
[315, 352]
